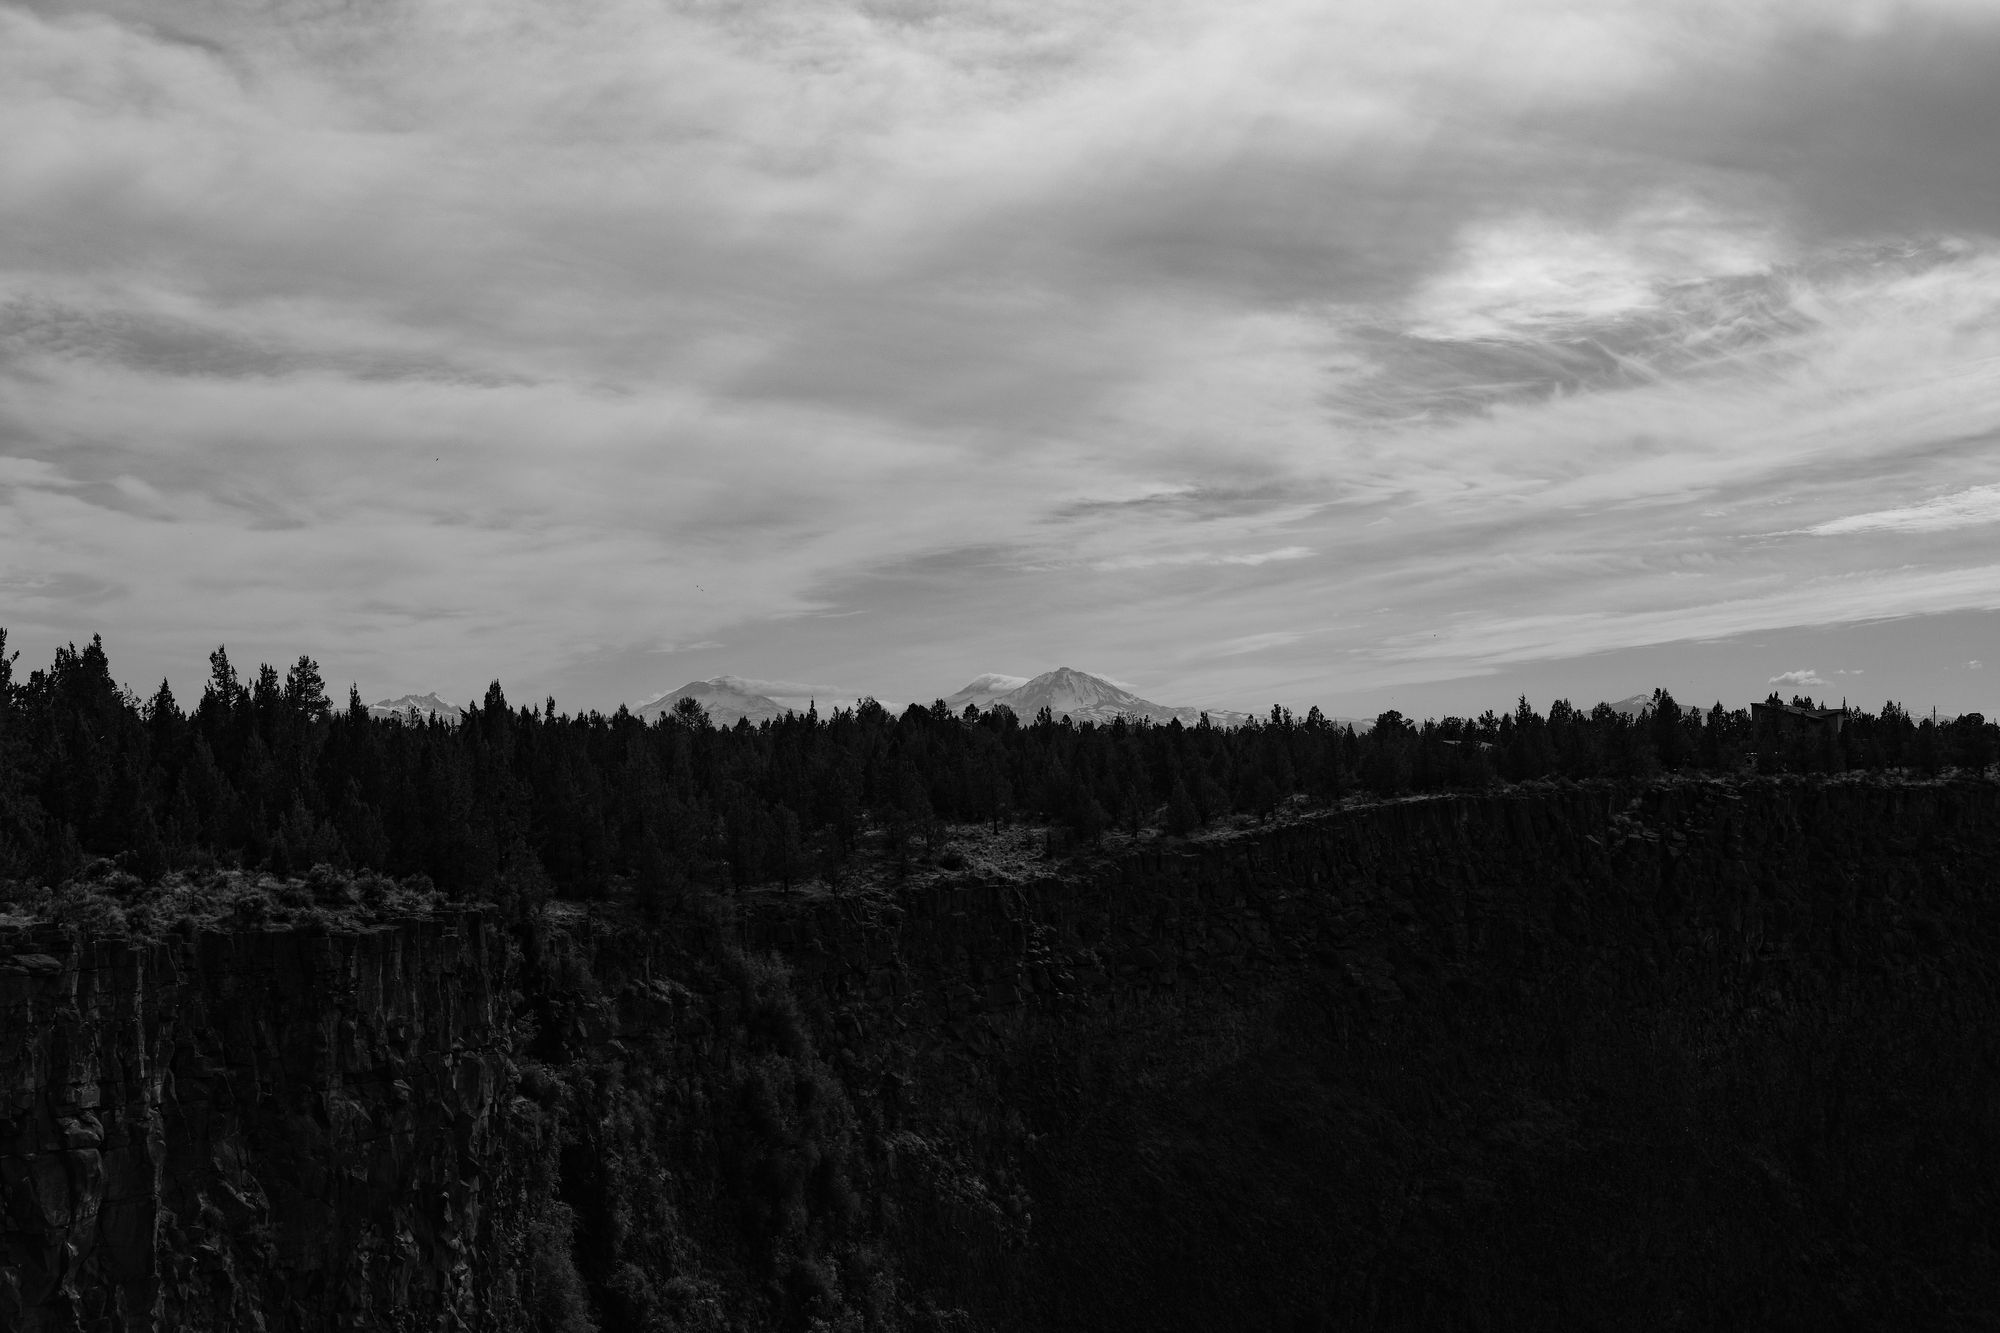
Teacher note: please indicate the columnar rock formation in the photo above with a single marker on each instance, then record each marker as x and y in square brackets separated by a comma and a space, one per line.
[234, 1126]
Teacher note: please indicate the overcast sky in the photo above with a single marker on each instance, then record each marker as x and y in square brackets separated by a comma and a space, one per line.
[1412, 352]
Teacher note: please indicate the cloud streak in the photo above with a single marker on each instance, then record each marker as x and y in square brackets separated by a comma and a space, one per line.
[1967, 508]
[1184, 558]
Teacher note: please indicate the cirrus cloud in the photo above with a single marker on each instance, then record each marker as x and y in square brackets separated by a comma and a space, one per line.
[1969, 507]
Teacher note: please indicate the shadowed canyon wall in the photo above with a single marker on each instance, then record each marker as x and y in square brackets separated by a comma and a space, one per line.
[1688, 1055]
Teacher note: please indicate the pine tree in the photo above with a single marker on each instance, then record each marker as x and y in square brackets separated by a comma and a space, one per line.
[305, 692]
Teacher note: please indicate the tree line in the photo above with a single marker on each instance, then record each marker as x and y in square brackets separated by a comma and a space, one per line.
[511, 802]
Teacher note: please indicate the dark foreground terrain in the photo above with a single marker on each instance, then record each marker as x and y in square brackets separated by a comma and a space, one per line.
[1699, 1054]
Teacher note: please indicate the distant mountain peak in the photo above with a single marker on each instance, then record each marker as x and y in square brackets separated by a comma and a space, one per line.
[1081, 696]
[727, 700]
[425, 705]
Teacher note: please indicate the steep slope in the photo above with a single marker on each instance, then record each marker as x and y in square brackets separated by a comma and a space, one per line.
[728, 700]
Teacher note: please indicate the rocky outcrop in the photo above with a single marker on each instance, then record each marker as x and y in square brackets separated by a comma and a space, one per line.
[1698, 1052]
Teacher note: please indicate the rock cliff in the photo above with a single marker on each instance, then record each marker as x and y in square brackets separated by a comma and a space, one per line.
[1690, 1054]
[259, 1127]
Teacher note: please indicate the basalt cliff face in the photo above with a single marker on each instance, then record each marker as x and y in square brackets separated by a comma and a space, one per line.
[1698, 1054]
[260, 1128]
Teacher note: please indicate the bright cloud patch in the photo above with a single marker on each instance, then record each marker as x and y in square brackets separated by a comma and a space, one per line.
[1534, 275]
[1962, 509]
[1799, 679]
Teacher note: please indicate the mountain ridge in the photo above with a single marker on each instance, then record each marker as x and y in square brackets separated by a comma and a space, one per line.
[981, 691]
[1081, 696]
[432, 705]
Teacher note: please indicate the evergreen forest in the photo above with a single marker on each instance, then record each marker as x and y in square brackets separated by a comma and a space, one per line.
[514, 803]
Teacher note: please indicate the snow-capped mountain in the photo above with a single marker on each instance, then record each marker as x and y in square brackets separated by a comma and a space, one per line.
[1081, 697]
[426, 706]
[727, 699]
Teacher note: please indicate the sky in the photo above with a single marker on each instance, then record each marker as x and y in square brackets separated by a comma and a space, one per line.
[1395, 353]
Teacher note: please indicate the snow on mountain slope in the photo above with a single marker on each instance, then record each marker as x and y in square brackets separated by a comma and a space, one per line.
[426, 706]
[1078, 695]
[725, 697]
